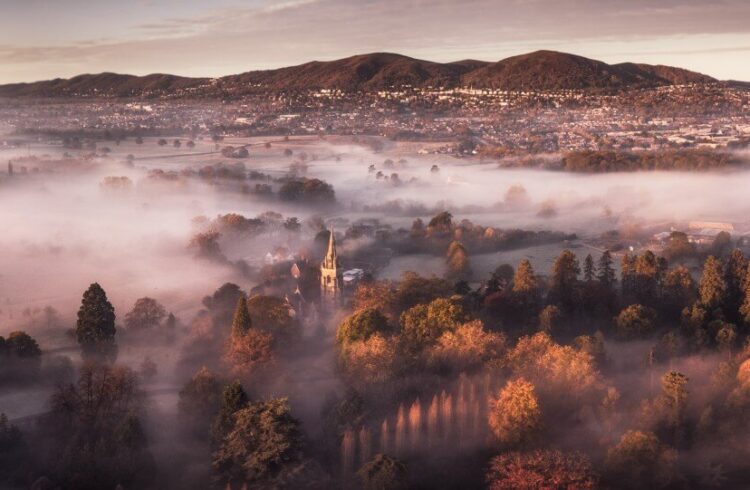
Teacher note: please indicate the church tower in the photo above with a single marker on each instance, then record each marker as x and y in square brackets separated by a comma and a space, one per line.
[331, 278]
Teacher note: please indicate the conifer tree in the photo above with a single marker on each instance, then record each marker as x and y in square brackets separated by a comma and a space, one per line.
[712, 292]
[627, 278]
[234, 399]
[95, 329]
[564, 282]
[605, 273]
[735, 271]
[588, 268]
[524, 280]
[241, 323]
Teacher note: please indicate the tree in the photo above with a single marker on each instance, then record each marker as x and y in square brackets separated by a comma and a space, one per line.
[241, 323]
[98, 437]
[466, 348]
[14, 455]
[674, 397]
[273, 315]
[588, 268]
[361, 324]
[551, 319]
[95, 329]
[264, 444]
[712, 291]
[233, 400]
[678, 292]
[368, 362]
[424, 324]
[726, 337]
[199, 401]
[627, 278]
[635, 321]
[21, 345]
[722, 244]
[647, 278]
[383, 473]
[560, 370]
[457, 260]
[541, 469]
[526, 287]
[605, 273]
[678, 246]
[146, 313]
[735, 273]
[250, 353]
[564, 281]
[515, 417]
[639, 461]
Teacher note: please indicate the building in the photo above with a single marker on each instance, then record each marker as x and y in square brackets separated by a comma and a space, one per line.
[331, 276]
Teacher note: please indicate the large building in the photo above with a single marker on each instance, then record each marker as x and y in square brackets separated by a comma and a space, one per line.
[331, 276]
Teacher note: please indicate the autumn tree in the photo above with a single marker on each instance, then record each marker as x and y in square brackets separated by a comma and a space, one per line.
[551, 320]
[457, 261]
[640, 460]
[361, 324]
[541, 469]
[515, 418]
[466, 348]
[425, 323]
[526, 289]
[674, 398]
[95, 329]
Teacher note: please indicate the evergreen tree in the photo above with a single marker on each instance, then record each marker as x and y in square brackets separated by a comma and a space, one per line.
[627, 278]
[95, 329]
[735, 271]
[712, 292]
[241, 323]
[564, 282]
[234, 399]
[588, 269]
[647, 272]
[605, 273]
[674, 399]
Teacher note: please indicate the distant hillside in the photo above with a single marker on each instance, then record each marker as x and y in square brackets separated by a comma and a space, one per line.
[105, 84]
[537, 71]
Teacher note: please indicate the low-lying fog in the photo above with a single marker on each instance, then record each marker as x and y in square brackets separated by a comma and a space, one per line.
[63, 231]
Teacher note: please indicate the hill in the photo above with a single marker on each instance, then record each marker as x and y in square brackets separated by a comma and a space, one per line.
[537, 71]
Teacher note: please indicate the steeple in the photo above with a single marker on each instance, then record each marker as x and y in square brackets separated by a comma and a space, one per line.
[331, 277]
[331, 260]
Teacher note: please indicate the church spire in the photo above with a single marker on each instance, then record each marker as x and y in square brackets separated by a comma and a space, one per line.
[331, 280]
[331, 259]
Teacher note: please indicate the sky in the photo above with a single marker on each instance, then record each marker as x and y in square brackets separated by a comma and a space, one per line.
[43, 39]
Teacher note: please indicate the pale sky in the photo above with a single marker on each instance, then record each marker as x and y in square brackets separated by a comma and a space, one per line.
[41, 39]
